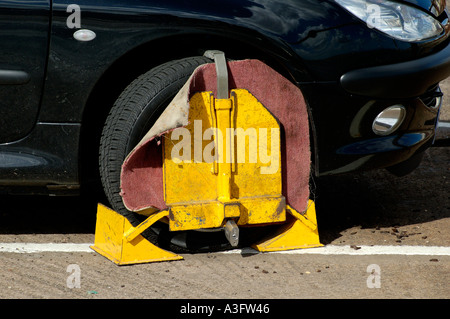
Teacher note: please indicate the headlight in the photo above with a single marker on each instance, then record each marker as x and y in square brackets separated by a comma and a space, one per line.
[398, 20]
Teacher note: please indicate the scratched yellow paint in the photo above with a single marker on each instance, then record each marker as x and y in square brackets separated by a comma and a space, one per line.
[242, 181]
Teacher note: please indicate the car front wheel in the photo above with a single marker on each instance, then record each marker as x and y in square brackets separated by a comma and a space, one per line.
[131, 117]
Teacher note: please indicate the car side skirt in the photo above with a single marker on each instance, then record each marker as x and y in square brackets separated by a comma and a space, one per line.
[47, 157]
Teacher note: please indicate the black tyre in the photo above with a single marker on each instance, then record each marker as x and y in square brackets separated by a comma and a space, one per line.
[132, 115]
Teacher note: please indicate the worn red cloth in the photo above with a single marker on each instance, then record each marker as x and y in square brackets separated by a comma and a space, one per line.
[142, 177]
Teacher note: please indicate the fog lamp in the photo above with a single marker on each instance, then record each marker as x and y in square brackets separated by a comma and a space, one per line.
[389, 120]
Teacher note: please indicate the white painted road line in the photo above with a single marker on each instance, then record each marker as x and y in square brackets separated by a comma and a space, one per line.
[326, 250]
[443, 124]
[29, 248]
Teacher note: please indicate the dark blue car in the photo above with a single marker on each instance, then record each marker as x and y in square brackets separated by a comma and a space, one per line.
[79, 78]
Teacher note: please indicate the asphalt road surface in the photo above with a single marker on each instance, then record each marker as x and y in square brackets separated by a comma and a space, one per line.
[384, 237]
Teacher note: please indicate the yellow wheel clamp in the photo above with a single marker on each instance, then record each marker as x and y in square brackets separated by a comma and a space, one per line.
[226, 185]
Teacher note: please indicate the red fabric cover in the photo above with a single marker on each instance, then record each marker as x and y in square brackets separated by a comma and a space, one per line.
[142, 177]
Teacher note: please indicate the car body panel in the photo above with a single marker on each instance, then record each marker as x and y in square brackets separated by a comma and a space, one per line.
[48, 156]
[23, 56]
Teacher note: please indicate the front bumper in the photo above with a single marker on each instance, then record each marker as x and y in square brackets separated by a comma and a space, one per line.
[402, 80]
[342, 118]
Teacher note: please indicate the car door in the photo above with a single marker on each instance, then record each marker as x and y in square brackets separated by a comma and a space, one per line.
[24, 26]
